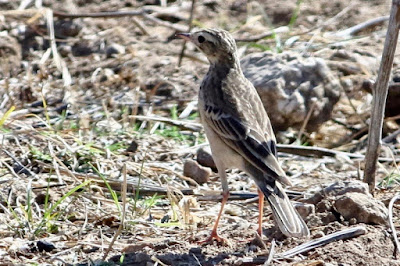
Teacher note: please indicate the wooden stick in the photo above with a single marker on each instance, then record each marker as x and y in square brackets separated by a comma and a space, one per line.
[182, 53]
[117, 14]
[379, 96]
[347, 33]
[320, 152]
[344, 234]
[392, 227]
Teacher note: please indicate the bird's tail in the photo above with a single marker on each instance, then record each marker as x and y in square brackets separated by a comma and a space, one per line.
[285, 215]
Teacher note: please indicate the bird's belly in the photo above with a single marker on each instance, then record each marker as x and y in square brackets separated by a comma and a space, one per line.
[221, 152]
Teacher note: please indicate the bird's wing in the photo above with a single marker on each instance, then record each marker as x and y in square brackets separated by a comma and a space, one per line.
[247, 141]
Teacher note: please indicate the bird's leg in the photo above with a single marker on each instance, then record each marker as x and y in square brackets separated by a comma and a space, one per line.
[258, 238]
[225, 196]
[260, 211]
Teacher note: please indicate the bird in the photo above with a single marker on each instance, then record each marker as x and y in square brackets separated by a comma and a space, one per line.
[239, 131]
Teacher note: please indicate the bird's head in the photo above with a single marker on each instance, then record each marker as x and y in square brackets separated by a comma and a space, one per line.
[218, 45]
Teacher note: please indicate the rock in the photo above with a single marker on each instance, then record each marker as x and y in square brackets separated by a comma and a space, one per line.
[337, 189]
[82, 48]
[66, 28]
[46, 246]
[343, 187]
[64, 50]
[346, 200]
[205, 158]
[133, 146]
[323, 206]
[115, 48]
[198, 173]
[304, 209]
[41, 198]
[354, 62]
[318, 234]
[290, 85]
[364, 208]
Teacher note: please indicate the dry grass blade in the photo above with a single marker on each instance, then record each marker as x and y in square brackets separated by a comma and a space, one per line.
[61, 65]
[271, 253]
[283, 29]
[344, 234]
[179, 123]
[391, 224]
[320, 152]
[189, 29]
[123, 215]
[359, 27]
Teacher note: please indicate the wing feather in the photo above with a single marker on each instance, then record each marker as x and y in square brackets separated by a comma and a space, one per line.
[248, 142]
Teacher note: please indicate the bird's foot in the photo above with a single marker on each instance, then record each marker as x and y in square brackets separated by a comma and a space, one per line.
[257, 240]
[212, 237]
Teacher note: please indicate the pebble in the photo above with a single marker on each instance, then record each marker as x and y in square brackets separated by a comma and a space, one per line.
[198, 173]
[205, 158]
[115, 48]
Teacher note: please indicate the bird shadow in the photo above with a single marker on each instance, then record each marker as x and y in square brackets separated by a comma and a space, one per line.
[195, 256]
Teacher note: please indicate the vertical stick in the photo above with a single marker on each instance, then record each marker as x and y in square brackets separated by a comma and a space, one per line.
[379, 96]
[190, 28]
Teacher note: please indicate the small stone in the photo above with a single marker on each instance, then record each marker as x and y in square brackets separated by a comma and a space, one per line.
[198, 173]
[45, 246]
[318, 234]
[82, 49]
[353, 221]
[115, 48]
[304, 209]
[344, 187]
[41, 198]
[323, 206]
[67, 28]
[337, 189]
[205, 158]
[327, 218]
[64, 50]
[363, 208]
[133, 146]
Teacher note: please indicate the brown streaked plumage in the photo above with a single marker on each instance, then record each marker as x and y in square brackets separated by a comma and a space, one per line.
[239, 130]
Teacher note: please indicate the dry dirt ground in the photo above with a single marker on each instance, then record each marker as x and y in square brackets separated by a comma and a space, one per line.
[83, 111]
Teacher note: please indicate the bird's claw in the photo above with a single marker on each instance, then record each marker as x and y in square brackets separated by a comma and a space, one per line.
[212, 237]
[257, 241]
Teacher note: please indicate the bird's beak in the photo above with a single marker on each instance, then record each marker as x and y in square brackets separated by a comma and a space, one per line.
[185, 36]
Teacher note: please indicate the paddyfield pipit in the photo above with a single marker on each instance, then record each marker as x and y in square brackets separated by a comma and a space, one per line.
[239, 130]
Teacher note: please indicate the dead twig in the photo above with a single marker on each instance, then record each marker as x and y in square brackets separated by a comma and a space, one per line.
[189, 29]
[359, 27]
[123, 213]
[303, 127]
[392, 227]
[320, 152]
[145, 189]
[116, 14]
[283, 29]
[182, 124]
[380, 92]
[19, 164]
[391, 137]
[344, 234]
[271, 253]
[110, 14]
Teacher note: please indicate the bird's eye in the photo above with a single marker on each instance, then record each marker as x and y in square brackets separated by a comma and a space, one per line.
[201, 39]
